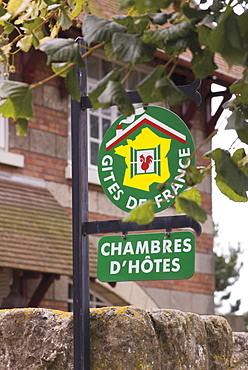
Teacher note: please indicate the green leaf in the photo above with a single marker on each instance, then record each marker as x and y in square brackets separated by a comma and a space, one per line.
[159, 18]
[145, 6]
[243, 164]
[8, 27]
[169, 91]
[146, 88]
[194, 12]
[71, 83]
[25, 43]
[237, 122]
[193, 43]
[19, 102]
[204, 34]
[31, 24]
[132, 49]
[148, 39]
[175, 32]
[243, 133]
[192, 194]
[238, 155]
[217, 7]
[64, 21]
[241, 159]
[64, 50]
[142, 215]
[241, 88]
[193, 176]
[244, 110]
[243, 24]
[228, 191]
[57, 67]
[21, 127]
[176, 47]
[35, 40]
[7, 109]
[3, 57]
[226, 38]
[50, 2]
[101, 86]
[243, 27]
[109, 52]
[190, 208]
[203, 64]
[78, 9]
[115, 94]
[16, 7]
[2, 10]
[96, 29]
[230, 179]
[132, 24]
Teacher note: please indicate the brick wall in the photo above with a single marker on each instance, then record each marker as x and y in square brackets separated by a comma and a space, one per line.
[54, 305]
[45, 146]
[199, 283]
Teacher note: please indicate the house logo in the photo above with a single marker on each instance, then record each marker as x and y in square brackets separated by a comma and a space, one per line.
[146, 160]
[141, 152]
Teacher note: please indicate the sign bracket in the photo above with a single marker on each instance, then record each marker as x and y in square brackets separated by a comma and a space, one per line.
[190, 90]
[115, 226]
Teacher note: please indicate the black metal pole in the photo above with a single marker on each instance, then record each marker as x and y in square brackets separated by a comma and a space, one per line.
[80, 242]
[81, 296]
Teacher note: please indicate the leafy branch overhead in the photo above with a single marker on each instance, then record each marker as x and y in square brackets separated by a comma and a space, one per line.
[133, 38]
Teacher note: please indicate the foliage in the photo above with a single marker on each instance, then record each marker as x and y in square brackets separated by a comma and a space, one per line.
[245, 315]
[189, 202]
[227, 272]
[134, 38]
[142, 214]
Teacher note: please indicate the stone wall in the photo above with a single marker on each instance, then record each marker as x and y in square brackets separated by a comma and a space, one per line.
[122, 338]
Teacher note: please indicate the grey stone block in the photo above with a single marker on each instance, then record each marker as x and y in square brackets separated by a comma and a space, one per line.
[42, 142]
[122, 338]
[61, 147]
[15, 141]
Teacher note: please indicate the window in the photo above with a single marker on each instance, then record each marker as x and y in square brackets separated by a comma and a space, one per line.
[6, 157]
[98, 123]
[3, 133]
[3, 122]
[100, 119]
[217, 98]
[96, 300]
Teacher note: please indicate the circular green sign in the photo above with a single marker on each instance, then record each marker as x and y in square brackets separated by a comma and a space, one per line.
[140, 153]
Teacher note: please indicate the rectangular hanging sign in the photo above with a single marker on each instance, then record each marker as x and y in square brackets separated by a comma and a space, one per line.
[153, 256]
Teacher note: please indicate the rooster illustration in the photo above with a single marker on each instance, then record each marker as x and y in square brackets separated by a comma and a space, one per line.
[145, 162]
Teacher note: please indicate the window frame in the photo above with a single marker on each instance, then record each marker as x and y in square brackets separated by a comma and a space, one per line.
[7, 157]
[99, 113]
[96, 299]
[92, 81]
[3, 134]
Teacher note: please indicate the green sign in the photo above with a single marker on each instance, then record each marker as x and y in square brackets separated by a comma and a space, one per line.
[152, 147]
[153, 256]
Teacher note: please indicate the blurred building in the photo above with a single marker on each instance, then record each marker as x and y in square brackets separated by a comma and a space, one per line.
[35, 193]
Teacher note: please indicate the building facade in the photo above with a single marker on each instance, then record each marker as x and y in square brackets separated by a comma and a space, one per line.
[36, 205]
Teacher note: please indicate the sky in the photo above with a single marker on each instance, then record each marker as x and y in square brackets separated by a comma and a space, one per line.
[232, 220]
